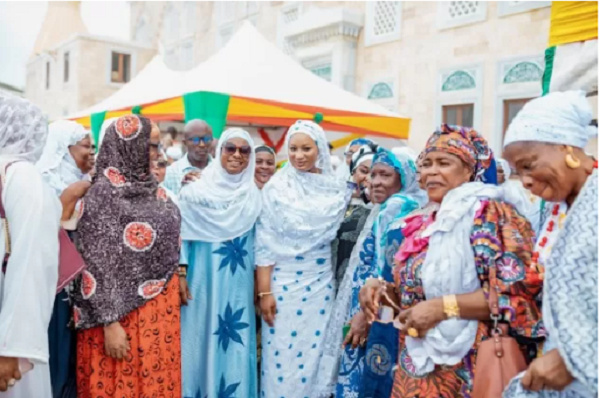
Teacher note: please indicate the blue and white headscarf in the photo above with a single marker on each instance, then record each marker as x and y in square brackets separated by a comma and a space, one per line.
[404, 165]
[344, 171]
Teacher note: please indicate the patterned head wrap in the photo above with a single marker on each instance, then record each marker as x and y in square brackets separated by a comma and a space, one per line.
[359, 141]
[557, 118]
[129, 230]
[469, 146]
[364, 153]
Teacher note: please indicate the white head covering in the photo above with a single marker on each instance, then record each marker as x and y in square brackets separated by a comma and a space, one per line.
[57, 166]
[301, 210]
[23, 129]
[221, 206]
[557, 118]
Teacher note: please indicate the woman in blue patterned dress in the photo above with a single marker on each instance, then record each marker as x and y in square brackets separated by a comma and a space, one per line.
[303, 207]
[218, 335]
[395, 189]
[545, 144]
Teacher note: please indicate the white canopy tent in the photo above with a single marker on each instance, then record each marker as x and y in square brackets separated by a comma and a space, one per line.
[265, 86]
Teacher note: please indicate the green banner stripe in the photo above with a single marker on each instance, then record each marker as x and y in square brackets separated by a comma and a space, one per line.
[549, 60]
[96, 120]
[208, 106]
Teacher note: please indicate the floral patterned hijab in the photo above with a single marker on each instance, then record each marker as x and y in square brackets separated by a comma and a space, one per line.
[129, 232]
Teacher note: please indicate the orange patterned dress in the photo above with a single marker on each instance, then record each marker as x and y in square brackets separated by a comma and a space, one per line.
[499, 236]
[152, 367]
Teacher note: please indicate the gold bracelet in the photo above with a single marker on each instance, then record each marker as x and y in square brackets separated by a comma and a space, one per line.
[451, 308]
[263, 294]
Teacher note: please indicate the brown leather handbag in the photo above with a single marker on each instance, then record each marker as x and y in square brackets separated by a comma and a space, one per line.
[499, 358]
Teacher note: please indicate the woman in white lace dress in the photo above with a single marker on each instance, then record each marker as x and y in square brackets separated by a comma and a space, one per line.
[303, 206]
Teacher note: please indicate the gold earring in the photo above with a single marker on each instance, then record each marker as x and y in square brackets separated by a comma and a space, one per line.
[571, 160]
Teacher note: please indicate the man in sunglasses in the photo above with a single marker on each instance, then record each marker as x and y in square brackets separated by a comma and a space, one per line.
[198, 138]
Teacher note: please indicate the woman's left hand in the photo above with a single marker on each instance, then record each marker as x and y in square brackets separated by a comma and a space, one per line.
[548, 371]
[423, 316]
[359, 330]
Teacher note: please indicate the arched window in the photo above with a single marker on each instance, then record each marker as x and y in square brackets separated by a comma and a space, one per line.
[381, 90]
[524, 72]
[459, 80]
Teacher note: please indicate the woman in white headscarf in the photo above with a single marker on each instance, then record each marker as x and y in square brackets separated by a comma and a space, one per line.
[545, 144]
[66, 162]
[67, 159]
[303, 206]
[217, 273]
[28, 285]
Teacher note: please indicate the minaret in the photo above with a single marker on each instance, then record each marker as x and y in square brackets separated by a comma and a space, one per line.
[62, 20]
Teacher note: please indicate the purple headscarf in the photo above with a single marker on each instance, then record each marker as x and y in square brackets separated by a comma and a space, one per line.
[129, 231]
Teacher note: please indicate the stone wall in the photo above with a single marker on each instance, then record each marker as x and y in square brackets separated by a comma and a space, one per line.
[412, 64]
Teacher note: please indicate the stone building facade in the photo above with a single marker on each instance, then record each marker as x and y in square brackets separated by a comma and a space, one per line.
[70, 70]
[466, 62]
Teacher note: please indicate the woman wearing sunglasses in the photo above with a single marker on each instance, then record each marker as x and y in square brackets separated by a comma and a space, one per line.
[217, 273]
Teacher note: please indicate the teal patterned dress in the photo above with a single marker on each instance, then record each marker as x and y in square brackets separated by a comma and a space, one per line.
[218, 333]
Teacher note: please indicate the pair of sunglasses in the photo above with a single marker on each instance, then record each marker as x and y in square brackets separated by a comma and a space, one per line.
[231, 149]
[207, 139]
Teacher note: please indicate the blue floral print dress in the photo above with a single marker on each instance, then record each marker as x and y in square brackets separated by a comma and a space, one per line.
[218, 334]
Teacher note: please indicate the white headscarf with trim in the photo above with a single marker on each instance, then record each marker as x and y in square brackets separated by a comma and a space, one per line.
[301, 210]
[57, 166]
[558, 118]
[221, 206]
[23, 129]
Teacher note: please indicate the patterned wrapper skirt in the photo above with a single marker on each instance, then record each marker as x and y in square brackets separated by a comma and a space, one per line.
[152, 367]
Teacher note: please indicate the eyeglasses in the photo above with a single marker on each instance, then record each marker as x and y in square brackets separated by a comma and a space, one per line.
[197, 140]
[231, 149]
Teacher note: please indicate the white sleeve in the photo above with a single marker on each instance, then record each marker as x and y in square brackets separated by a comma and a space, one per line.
[29, 285]
[262, 255]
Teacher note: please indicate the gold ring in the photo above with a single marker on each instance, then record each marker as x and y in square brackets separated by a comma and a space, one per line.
[363, 341]
[412, 332]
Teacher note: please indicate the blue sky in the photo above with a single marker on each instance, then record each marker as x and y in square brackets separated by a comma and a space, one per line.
[20, 23]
